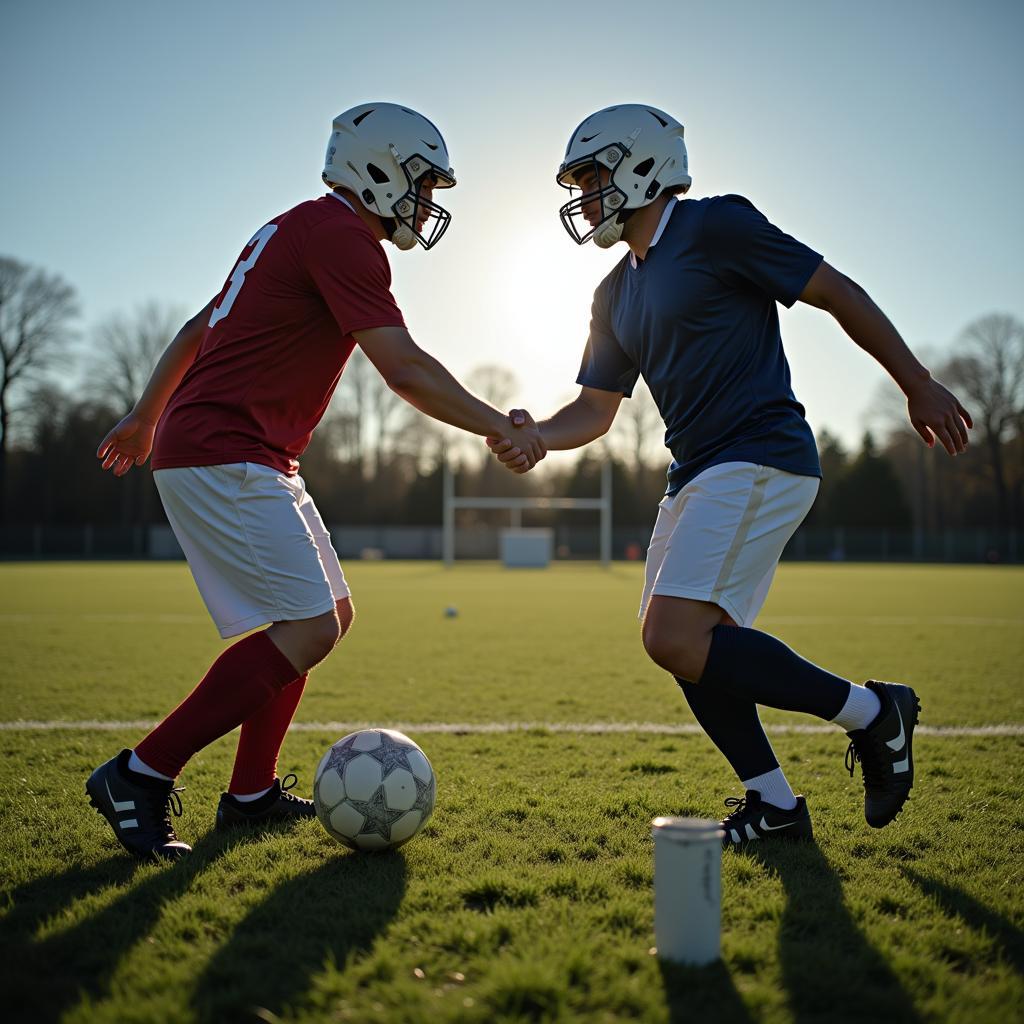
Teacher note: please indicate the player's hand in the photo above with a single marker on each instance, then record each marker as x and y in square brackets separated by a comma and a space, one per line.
[127, 445]
[936, 412]
[523, 448]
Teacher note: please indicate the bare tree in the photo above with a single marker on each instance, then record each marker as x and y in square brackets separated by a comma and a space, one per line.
[638, 433]
[126, 347]
[495, 384]
[36, 310]
[350, 402]
[371, 412]
[989, 370]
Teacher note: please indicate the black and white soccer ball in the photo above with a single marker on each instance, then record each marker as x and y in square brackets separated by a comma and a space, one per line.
[374, 789]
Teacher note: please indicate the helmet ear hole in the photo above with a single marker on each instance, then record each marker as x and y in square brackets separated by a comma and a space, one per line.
[643, 168]
[377, 174]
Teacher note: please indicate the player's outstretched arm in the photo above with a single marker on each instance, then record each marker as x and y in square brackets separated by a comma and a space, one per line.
[423, 382]
[130, 442]
[574, 425]
[934, 411]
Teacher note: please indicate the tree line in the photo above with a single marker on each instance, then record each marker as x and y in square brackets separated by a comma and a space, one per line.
[376, 460]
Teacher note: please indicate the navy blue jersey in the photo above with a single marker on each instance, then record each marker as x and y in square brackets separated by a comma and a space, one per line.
[697, 319]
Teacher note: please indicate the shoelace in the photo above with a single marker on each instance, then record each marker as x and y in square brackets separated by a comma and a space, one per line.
[874, 767]
[740, 803]
[169, 803]
[288, 782]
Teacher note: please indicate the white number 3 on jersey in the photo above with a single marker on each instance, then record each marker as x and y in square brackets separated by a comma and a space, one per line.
[258, 241]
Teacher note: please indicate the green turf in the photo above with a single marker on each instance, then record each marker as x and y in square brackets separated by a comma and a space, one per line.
[125, 641]
[527, 898]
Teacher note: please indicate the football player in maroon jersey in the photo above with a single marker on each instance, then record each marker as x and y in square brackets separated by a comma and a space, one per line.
[226, 414]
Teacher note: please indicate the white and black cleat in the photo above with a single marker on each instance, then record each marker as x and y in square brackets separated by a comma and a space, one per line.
[884, 750]
[754, 819]
[138, 809]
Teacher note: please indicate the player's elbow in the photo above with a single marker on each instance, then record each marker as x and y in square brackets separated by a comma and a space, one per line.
[843, 295]
[850, 291]
[602, 425]
[596, 420]
[404, 377]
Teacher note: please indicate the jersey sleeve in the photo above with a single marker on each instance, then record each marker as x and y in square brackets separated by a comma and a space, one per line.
[605, 365]
[351, 272]
[746, 249]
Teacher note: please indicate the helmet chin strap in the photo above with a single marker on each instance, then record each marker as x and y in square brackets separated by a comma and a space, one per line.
[608, 232]
[403, 238]
[400, 234]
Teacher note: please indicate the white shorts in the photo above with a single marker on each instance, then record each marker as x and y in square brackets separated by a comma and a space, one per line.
[257, 547]
[720, 537]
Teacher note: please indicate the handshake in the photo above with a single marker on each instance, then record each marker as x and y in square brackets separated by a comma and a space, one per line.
[523, 448]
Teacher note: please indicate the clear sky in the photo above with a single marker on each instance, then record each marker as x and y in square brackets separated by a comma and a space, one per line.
[143, 144]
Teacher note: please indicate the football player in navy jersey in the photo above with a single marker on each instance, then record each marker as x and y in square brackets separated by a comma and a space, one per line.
[692, 309]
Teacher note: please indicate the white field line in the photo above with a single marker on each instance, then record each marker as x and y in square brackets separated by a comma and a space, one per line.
[115, 618]
[482, 728]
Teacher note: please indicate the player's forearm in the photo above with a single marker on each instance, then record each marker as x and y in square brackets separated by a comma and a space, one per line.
[429, 387]
[573, 426]
[872, 330]
[171, 367]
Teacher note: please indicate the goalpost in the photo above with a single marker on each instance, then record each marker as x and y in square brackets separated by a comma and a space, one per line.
[516, 506]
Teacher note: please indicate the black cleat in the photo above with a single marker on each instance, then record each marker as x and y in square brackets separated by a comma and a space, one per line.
[138, 809]
[278, 805]
[754, 819]
[884, 752]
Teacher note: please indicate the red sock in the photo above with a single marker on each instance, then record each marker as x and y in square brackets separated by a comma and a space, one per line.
[262, 735]
[244, 678]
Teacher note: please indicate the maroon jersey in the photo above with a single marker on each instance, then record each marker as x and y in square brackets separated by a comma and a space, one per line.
[278, 340]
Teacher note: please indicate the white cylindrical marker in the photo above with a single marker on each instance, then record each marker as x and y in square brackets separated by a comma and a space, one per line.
[687, 889]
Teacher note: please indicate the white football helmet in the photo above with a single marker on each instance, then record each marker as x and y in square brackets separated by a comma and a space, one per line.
[383, 153]
[642, 148]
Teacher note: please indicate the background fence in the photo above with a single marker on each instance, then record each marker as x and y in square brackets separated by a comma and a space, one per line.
[482, 542]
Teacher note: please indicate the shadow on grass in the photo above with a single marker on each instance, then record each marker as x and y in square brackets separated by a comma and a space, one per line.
[323, 915]
[830, 971]
[41, 978]
[702, 993]
[956, 903]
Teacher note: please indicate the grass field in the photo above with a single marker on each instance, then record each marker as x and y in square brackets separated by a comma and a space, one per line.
[528, 896]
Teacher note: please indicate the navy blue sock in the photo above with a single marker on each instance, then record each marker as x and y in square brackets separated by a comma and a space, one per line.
[752, 664]
[733, 725]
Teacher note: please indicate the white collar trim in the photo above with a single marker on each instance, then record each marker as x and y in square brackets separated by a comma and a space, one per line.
[662, 224]
[342, 199]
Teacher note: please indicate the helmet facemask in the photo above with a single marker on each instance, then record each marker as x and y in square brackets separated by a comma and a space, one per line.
[608, 229]
[408, 208]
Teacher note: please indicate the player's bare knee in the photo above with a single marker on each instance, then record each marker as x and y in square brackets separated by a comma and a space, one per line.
[309, 641]
[325, 632]
[678, 648]
[667, 650]
[677, 634]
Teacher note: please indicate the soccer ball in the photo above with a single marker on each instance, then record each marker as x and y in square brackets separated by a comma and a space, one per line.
[374, 789]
